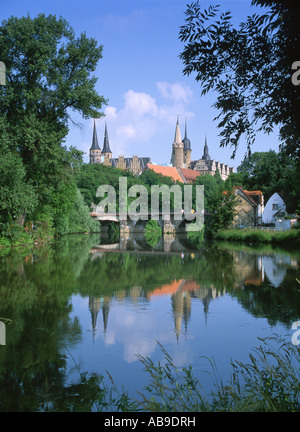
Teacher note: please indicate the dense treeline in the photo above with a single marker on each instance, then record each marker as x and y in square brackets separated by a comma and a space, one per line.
[49, 74]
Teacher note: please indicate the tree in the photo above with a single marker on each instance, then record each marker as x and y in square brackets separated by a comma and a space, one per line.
[219, 203]
[48, 75]
[270, 172]
[16, 196]
[249, 68]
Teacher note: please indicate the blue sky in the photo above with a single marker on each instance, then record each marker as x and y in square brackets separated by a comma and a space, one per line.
[141, 76]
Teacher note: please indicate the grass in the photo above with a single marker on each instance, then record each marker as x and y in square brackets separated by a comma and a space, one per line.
[291, 237]
[270, 382]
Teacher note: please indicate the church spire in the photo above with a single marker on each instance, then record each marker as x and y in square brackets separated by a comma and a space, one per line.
[206, 154]
[186, 141]
[95, 145]
[177, 139]
[106, 148]
[177, 148]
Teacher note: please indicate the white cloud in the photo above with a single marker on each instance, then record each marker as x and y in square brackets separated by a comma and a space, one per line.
[110, 112]
[176, 92]
[136, 126]
[140, 104]
[126, 131]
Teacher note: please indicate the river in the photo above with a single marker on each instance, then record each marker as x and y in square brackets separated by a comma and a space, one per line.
[84, 306]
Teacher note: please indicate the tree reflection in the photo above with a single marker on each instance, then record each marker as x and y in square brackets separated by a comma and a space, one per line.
[36, 287]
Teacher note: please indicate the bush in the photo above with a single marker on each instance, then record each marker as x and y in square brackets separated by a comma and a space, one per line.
[79, 217]
[153, 233]
[259, 236]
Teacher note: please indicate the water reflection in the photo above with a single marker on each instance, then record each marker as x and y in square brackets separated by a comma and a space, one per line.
[97, 303]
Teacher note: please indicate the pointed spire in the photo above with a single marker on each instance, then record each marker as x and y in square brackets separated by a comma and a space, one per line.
[177, 138]
[95, 145]
[206, 154]
[94, 307]
[186, 141]
[106, 148]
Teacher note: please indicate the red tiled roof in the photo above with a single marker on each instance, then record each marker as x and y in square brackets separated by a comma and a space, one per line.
[166, 289]
[189, 175]
[255, 194]
[245, 193]
[166, 171]
[183, 175]
[172, 288]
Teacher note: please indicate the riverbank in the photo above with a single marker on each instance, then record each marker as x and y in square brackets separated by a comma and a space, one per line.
[256, 236]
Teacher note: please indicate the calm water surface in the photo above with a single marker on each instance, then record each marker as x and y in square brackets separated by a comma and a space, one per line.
[86, 305]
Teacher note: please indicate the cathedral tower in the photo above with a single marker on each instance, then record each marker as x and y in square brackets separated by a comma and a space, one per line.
[177, 148]
[187, 149]
[95, 151]
[206, 154]
[106, 151]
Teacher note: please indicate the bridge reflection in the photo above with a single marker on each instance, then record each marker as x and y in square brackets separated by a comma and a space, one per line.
[136, 242]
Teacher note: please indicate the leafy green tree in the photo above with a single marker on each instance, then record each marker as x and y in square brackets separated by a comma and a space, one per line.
[92, 176]
[79, 217]
[16, 195]
[219, 203]
[271, 172]
[149, 177]
[249, 67]
[49, 74]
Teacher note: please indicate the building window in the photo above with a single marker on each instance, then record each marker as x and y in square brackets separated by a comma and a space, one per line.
[274, 206]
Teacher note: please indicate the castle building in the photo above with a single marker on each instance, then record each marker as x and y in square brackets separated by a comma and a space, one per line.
[181, 157]
[134, 164]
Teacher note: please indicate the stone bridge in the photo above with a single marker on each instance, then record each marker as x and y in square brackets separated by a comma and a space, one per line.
[171, 222]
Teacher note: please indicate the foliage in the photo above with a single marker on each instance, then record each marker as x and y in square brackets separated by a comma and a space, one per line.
[153, 233]
[269, 383]
[219, 203]
[196, 238]
[36, 287]
[291, 237]
[250, 69]
[171, 390]
[79, 217]
[270, 172]
[92, 176]
[49, 72]
[16, 196]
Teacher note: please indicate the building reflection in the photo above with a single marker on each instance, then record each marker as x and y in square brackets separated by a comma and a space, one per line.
[181, 293]
[95, 304]
[250, 270]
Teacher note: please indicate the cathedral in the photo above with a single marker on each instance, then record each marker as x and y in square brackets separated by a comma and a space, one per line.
[135, 164]
[182, 152]
[181, 157]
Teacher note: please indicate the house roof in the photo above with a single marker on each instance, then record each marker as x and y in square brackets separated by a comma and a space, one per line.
[176, 285]
[142, 160]
[166, 171]
[257, 195]
[189, 176]
[246, 195]
[183, 175]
